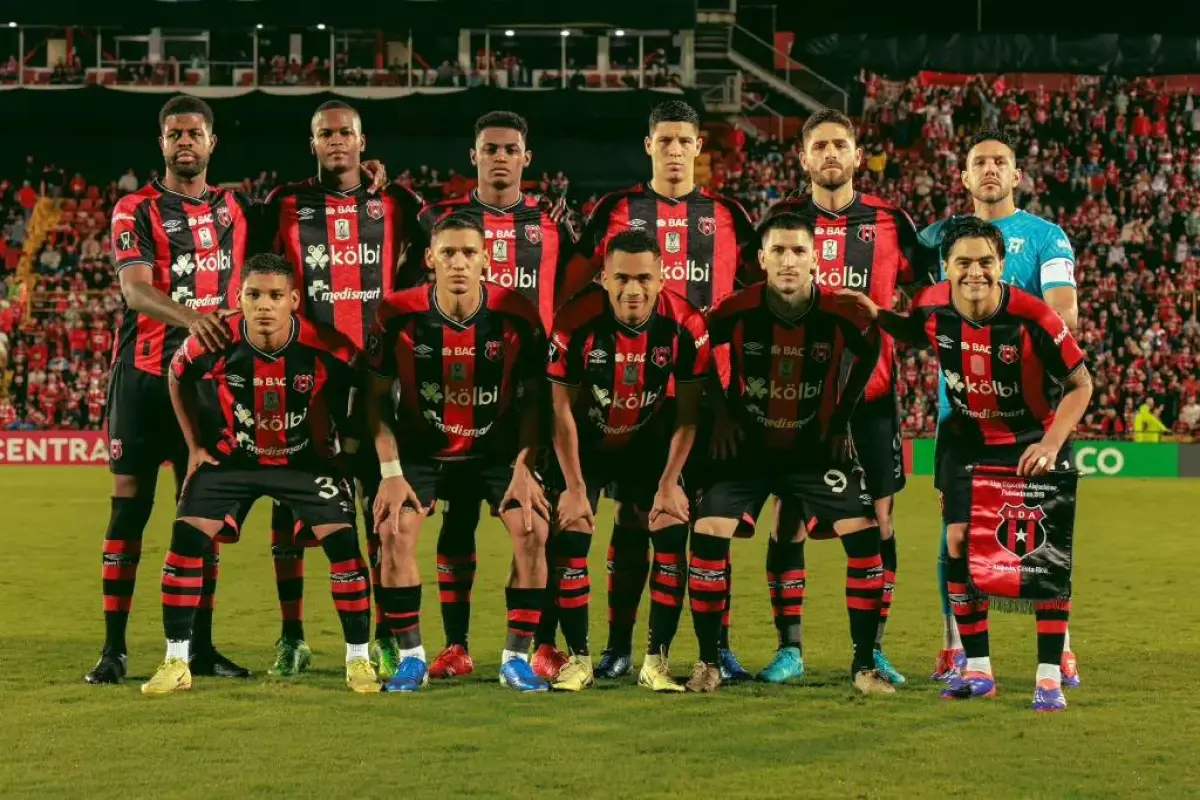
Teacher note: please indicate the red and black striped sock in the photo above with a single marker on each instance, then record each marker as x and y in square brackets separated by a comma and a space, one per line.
[708, 589]
[119, 562]
[628, 568]
[668, 583]
[203, 621]
[723, 640]
[456, 558]
[524, 612]
[349, 584]
[786, 577]
[864, 593]
[573, 587]
[402, 611]
[1052, 616]
[183, 580]
[887, 552]
[383, 629]
[547, 629]
[288, 560]
[970, 615]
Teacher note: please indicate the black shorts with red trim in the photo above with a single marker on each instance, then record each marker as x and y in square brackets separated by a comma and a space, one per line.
[875, 429]
[952, 461]
[629, 477]
[432, 479]
[315, 496]
[142, 429]
[825, 495]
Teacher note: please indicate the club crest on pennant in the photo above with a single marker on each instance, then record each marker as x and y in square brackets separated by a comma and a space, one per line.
[375, 208]
[302, 383]
[661, 356]
[866, 233]
[493, 349]
[1020, 531]
[533, 234]
[1008, 354]
[706, 225]
[224, 217]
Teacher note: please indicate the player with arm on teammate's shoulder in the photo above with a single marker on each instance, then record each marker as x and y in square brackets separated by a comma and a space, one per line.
[614, 351]
[178, 245]
[467, 359]
[784, 430]
[264, 416]
[1017, 388]
[1037, 259]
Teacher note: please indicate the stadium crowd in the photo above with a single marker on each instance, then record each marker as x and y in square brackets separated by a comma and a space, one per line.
[1116, 164]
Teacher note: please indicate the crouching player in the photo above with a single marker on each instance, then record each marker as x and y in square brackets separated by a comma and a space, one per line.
[614, 351]
[467, 358]
[784, 430]
[263, 417]
[1017, 387]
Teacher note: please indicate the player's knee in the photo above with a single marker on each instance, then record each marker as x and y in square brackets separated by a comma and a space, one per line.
[716, 526]
[190, 536]
[132, 486]
[956, 540]
[883, 516]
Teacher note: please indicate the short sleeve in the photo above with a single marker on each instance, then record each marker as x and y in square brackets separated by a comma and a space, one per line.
[1056, 260]
[530, 363]
[381, 343]
[694, 351]
[132, 232]
[564, 362]
[722, 319]
[1056, 348]
[185, 366]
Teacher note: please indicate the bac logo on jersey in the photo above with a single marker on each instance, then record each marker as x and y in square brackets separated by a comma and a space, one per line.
[1008, 354]
[533, 234]
[706, 225]
[820, 352]
[224, 217]
[661, 356]
[375, 208]
[672, 242]
[493, 349]
[1020, 531]
[866, 233]
[302, 383]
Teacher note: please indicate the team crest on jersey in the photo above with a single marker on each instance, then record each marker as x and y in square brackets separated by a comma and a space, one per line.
[114, 449]
[1008, 354]
[302, 383]
[533, 234]
[706, 225]
[493, 349]
[661, 356]
[866, 233]
[1020, 531]
[224, 217]
[820, 352]
[375, 208]
[271, 401]
[672, 240]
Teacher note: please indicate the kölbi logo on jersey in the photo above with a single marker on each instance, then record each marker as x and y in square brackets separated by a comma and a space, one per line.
[514, 279]
[995, 388]
[318, 257]
[689, 271]
[636, 401]
[847, 278]
[187, 263]
[478, 396]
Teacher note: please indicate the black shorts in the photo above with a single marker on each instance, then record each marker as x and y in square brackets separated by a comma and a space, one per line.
[315, 498]
[951, 461]
[875, 428]
[432, 479]
[629, 477]
[742, 486]
[142, 429]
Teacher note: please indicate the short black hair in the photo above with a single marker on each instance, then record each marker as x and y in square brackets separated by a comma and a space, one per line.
[831, 115]
[267, 264]
[971, 227]
[185, 104]
[633, 241]
[503, 119]
[992, 135]
[674, 111]
[785, 222]
[335, 105]
[455, 222]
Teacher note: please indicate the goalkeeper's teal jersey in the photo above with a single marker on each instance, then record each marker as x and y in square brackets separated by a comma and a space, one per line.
[1038, 257]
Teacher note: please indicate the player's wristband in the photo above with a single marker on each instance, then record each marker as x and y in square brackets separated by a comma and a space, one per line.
[390, 469]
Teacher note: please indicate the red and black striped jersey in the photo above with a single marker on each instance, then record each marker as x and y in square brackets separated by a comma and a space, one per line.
[789, 385]
[624, 374]
[459, 382]
[275, 409]
[868, 246]
[349, 249]
[194, 247]
[1004, 375]
[527, 250]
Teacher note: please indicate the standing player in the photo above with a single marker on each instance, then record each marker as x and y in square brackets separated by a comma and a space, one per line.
[348, 246]
[1007, 408]
[1038, 259]
[178, 245]
[263, 415]
[613, 353]
[864, 243]
[466, 356]
[528, 252]
[708, 249]
[786, 432]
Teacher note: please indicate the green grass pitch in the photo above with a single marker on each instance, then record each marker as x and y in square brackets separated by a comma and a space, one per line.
[1133, 728]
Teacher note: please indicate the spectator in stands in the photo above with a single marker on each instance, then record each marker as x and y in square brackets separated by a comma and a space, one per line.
[128, 182]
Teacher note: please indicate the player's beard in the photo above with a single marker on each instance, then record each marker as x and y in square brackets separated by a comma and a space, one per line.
[190, 170]
[828, 181]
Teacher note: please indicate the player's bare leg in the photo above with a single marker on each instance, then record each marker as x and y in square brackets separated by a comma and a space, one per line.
[887, 551]
[524, 596]
[864, 595]
[400, 597]
[786, 579]
[668, 581]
